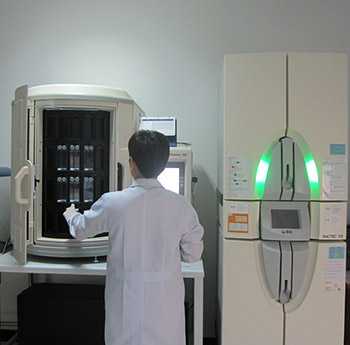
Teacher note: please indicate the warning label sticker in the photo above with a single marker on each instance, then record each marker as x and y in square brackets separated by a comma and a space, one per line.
[335, 269]
[334, 181]
[238, 218]
[238, 222]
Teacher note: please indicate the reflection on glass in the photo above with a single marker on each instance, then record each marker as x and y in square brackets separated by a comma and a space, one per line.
[62, 157]
[62, 189]
[88, 189]
[88, 157]
[74, 189]
[74, 157]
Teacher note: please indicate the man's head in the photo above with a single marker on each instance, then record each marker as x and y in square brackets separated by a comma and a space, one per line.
[149, 154]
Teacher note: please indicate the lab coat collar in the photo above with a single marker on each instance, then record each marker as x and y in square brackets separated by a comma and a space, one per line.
[147, 183]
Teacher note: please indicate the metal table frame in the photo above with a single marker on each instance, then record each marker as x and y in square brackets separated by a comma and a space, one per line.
[85, 267]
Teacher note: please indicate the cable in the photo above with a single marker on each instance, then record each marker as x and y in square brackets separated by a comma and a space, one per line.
[287, 96]
[284, 326]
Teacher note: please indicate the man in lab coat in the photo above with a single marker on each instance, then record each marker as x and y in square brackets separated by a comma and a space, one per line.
[150, 231]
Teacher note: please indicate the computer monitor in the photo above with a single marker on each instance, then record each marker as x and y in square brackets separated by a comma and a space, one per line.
[177, 175]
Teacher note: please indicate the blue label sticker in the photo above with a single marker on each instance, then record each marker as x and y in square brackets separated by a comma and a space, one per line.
[337, 149]
[336, 253]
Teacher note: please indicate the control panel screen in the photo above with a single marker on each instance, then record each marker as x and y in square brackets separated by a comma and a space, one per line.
[170, 179]
[285, 219]
[173, 177]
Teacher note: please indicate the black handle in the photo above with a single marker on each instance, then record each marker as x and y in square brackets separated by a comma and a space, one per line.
[120, 177]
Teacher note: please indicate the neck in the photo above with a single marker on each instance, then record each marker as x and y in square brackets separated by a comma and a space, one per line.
[137, 176]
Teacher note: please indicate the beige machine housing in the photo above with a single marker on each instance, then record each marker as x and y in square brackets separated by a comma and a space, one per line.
[267, 97]
[27, 160]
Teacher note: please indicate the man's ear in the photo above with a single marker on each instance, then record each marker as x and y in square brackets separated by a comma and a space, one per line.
[133, 168]
[131, 165]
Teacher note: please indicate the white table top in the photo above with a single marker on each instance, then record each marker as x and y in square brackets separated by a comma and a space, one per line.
[40, 265]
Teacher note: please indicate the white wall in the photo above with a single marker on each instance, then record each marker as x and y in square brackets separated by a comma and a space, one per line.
[168, 54]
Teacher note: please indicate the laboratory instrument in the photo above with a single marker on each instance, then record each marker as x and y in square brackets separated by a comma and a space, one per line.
[69, 145]
[283, 199]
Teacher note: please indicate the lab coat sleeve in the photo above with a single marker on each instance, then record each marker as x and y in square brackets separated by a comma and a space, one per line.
[91, 223]
[191, 244]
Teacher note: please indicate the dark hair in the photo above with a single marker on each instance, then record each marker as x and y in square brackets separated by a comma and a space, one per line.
[150, 152]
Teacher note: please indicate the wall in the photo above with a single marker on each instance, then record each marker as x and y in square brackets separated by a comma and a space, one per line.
[168, 55]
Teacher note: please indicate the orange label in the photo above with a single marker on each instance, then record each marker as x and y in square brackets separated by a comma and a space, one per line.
[238, 222]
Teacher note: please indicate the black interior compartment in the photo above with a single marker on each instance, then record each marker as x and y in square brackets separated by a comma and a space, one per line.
[56, 314]
[75, 155]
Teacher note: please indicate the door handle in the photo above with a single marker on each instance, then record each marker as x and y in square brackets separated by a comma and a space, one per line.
[285, 293]
[286, 273]
[288, 181]
[120, 177]
[26, 170]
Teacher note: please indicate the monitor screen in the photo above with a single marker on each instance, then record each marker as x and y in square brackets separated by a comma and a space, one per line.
[285, 219]
[172, 177]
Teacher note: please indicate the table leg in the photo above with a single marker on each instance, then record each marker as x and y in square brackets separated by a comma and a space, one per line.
[198, 311]
[13, 339]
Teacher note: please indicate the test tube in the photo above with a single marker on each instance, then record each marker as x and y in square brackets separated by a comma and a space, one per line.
[88, 157]
[74, 157]
[77, 189]
[62, 157]
[88, 189]
[62, 189]
[74, 189]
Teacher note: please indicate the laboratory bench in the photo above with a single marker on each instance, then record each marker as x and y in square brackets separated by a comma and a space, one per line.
[91, 267]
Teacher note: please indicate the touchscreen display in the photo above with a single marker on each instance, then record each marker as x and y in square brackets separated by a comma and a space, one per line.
[285, 219]
[170, 179]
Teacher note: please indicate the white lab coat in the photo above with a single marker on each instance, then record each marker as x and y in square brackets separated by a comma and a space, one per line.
[150, 231]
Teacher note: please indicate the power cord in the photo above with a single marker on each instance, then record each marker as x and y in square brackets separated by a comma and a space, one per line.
[7, 246]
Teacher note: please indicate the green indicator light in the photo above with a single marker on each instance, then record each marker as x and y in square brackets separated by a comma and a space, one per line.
[311, 171]
[312, 175]
[261, 173]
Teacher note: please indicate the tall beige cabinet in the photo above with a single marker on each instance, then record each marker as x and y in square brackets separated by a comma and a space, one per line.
[283, 199]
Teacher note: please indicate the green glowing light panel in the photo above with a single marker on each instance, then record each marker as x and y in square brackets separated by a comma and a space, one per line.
[263, 169]
[261, 175]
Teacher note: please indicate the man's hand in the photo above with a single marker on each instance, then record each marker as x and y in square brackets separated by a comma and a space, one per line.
[70, 212]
